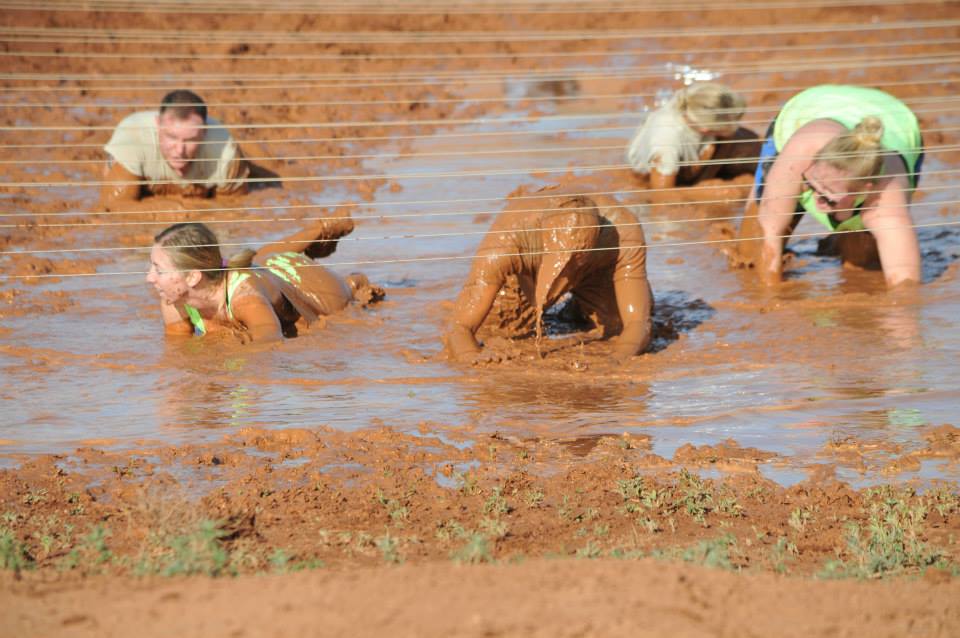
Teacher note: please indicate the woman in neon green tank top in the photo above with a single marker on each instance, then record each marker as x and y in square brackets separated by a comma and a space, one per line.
[850, 156]
[260, 293]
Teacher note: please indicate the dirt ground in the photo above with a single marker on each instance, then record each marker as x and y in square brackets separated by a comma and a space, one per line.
[444, 531]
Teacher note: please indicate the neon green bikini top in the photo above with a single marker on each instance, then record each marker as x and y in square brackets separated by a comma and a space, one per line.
[234, 279]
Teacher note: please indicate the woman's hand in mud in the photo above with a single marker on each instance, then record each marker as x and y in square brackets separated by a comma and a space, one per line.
[771, 263]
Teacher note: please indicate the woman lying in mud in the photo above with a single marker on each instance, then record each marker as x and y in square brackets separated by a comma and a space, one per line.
[260, 293]
[694, 137]
[587, 245]
[850, 157]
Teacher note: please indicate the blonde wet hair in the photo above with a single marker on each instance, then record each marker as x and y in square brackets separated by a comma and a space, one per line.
[712, 106]
[859, 152]
[193, 246]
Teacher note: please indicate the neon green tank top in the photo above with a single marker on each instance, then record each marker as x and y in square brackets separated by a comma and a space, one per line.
[848, 105]
[234, 279]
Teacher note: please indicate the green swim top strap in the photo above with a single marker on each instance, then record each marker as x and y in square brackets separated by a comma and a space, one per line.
[194, 315]
[234, 279]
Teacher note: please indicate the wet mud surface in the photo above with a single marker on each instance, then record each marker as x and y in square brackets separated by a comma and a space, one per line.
[766, 431]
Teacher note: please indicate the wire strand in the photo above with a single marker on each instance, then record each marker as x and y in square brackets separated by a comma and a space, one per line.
[368, 262]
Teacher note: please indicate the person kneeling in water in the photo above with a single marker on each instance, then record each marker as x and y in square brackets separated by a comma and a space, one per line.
[261, 293]
[693, 138]
[587, 245]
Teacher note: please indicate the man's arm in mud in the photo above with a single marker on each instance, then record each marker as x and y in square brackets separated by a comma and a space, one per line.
[256, 314]
[124, 192]
[317, 241]
[237, 174]
[890, 223]
[635, 304]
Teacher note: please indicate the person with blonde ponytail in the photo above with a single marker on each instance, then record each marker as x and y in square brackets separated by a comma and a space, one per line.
[694, 137]
[258, 294]
[850, 157]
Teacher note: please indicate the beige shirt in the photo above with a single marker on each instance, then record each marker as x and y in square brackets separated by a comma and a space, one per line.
[135, 145]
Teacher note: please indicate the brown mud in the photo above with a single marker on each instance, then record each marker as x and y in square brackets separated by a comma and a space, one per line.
[744, 442]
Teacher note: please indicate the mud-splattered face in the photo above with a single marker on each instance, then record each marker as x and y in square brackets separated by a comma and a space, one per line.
[171, 284]
[180, 139]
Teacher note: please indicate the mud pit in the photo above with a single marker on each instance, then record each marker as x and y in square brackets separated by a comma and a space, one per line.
[748, 439]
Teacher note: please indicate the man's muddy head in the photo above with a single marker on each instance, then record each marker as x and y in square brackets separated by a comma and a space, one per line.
[192, 247]
[180, 128]
[713, 107]
[567, 234]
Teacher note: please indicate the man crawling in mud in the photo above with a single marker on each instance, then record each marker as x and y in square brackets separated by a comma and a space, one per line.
[177, 150]
[587, 245]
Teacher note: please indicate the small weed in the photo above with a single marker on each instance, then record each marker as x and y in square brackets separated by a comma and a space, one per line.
[601, 529]
[799, 518]
[389, 548]
[467, 484]
[590, 550]
[475, 550]
[279, 561]
[494, 528]
[890, 542]
[13, 554]
[696, 498]
[711, 553]
[780, 553]
[199, 552]
[34, 497]
[450, 530]
[649, 524]
[395, 509]
[533, 497]
[496, 504]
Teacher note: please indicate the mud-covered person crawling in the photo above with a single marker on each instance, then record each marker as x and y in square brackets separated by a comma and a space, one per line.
[258, 295]
[587, 245]
[176, 151]
[694, 138]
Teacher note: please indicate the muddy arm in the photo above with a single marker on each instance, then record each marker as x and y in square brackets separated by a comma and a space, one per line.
[256, 314]
[317, 241]
[470, 310]
[238, 170]
[174, 324]
[126, 193]
[635, 304]
[890, 223]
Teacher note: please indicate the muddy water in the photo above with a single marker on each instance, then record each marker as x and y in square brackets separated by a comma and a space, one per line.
[828, 359]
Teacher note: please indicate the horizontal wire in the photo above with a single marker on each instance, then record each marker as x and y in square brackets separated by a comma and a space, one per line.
[542, 55]
[433, 100]
[469, 233]
[433, 135]
[386, 176]
[381, 217]
[369, 262]
[524, 119]
[627, 71]
[535, 8]
[513, 36]
[406, 155]
[480, 79]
